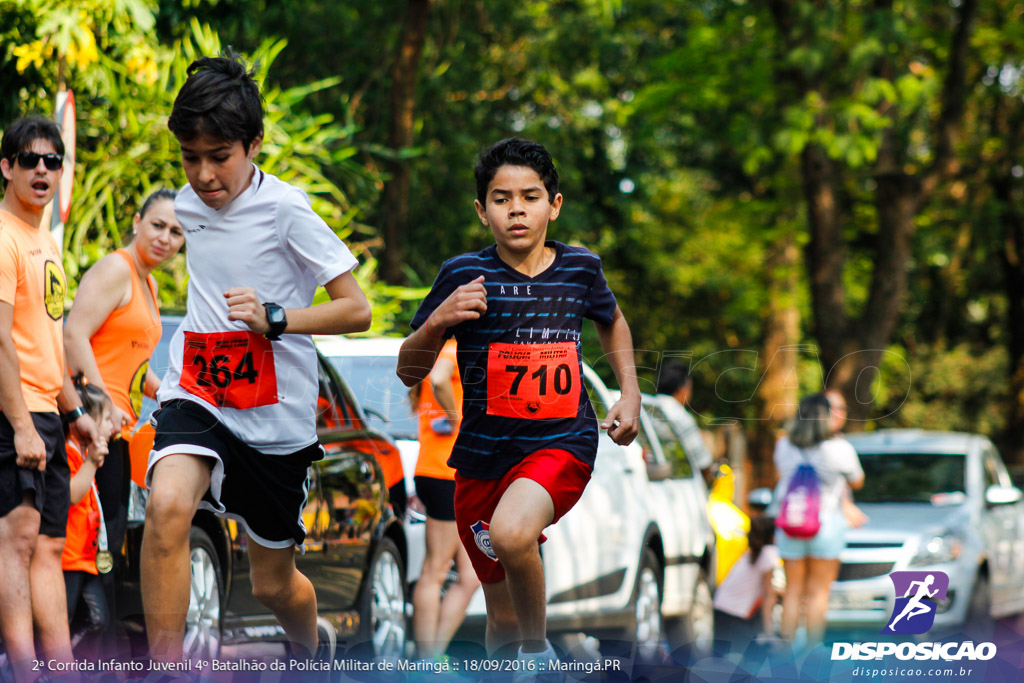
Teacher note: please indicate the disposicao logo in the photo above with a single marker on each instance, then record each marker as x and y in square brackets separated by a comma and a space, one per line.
[914, 613]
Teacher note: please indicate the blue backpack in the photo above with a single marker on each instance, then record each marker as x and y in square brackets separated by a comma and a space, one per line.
[799, 514]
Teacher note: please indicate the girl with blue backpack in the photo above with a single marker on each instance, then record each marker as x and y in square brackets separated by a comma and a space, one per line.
[814, 467]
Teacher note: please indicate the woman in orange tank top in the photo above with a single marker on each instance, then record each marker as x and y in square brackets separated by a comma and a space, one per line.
[109, 336]
[115, 321]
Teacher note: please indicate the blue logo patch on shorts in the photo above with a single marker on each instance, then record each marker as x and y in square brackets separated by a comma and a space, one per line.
[916, 596]
[482, 537]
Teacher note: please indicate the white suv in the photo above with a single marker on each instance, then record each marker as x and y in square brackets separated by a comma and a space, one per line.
[610, 570]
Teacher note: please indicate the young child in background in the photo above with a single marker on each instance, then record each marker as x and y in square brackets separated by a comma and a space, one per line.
[84, 541]
[747, 586]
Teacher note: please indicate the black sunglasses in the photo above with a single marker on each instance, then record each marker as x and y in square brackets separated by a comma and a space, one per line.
[29, 160]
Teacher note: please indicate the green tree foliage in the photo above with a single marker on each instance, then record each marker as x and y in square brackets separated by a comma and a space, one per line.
[767, 183]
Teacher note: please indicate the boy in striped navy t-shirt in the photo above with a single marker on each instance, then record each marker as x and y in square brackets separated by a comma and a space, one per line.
[529, 437]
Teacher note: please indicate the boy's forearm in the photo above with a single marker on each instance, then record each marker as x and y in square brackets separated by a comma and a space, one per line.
[417, 356]
[617, 343]
[339, 316]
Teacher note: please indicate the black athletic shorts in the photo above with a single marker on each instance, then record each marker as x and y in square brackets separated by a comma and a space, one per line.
[51, 487]
[266, 493]
[437, 496]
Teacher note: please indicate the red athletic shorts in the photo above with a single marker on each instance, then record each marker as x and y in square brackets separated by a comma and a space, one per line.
[562, 475]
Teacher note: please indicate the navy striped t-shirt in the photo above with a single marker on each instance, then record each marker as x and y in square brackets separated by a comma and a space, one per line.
[521, 362]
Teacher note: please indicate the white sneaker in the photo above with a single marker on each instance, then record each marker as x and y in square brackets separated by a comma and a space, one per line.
[327, 640]
[536, 669]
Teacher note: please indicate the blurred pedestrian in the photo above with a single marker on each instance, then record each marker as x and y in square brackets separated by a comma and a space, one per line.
[855, 517]
[34, 386]
[86, 554]
[745, 599]
[110, 335]
[435, 618]
[675, 382]
[811, 565]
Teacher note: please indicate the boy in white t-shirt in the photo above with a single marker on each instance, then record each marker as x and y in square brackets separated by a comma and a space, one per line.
[239, 397]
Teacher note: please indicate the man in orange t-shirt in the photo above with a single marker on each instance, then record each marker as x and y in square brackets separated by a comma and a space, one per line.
[34, 384]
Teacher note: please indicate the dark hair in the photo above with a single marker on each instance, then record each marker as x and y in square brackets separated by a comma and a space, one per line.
[762, 533]
[515, 152]
[20, 135]
[156, 196]
[812, 423]
[672, 378]
[221, 99]
[94, 399]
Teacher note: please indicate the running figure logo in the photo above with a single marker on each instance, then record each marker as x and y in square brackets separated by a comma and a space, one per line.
[914, 612]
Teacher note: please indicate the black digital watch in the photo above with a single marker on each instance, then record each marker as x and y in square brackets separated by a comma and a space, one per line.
[277, 320]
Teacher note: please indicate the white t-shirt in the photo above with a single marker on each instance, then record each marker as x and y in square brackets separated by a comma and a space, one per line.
[269, 239]
[834, 460]
[742, 590]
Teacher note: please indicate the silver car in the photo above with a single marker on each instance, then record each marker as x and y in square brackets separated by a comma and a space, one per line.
[937, 501]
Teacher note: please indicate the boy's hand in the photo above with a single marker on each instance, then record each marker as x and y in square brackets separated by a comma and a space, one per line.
[467, 302]
[244, 305]
[623, 420]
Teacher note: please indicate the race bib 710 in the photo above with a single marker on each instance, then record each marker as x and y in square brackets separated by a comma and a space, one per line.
[533, 381]
[229, 369]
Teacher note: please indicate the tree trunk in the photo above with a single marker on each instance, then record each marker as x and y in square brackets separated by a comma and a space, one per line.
[852, 348]
[404, 77]
[779, 389]
[1003, 185]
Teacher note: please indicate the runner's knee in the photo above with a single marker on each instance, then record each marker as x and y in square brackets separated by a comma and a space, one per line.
[511, 541]
[169, 511]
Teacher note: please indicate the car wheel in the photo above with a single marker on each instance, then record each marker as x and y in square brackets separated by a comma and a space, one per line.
[696, 629]
[645, 629]
[205, 593]
[978, 623]
[382, 617]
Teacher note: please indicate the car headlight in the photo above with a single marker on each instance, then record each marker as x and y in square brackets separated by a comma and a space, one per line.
[938, 549]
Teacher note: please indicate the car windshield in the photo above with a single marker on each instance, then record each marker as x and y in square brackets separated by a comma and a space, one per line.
[378, 390]
[910, 477]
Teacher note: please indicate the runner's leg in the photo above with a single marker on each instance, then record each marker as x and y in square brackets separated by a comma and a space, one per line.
[426, 598]
[522, 513]
[820, 575]
[178, 484]
[796, 576]
[49, 604]
[456, 600]
[502, 625]
[19, 530]
[282, 588]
